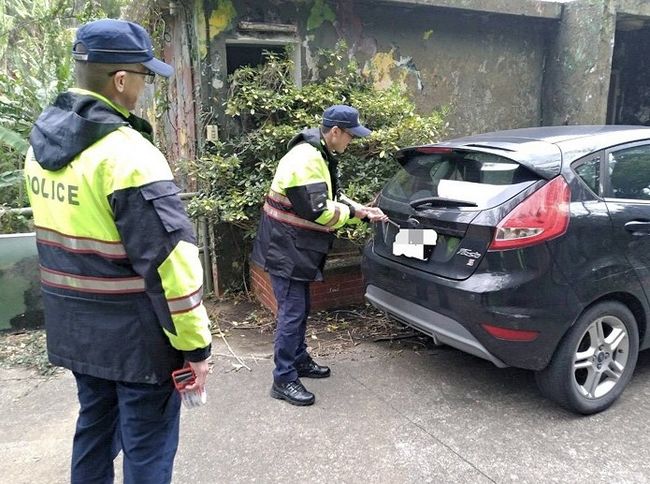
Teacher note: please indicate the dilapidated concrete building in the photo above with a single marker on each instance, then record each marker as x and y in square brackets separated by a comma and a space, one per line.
[496, 64]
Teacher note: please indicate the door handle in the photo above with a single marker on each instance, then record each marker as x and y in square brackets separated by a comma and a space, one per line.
[638, 227]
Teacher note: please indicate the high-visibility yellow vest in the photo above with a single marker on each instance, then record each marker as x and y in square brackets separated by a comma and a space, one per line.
[287, 244]
[111, 230]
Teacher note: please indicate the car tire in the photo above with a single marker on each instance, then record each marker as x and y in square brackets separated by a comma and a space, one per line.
[594, 361]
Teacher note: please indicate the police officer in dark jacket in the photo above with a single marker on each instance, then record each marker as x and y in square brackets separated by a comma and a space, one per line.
[120, 273]
[301, 212]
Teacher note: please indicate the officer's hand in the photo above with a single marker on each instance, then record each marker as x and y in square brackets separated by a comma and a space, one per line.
[375, 214]
[361, 212]
[201, 370]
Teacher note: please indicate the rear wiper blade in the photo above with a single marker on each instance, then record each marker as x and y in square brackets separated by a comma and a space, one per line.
[441, 202]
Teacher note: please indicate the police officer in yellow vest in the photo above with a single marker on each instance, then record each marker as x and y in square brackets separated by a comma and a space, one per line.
[120, 272]
[301, 212]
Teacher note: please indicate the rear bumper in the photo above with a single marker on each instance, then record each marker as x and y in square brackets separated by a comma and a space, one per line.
[518, 291]
[441, 328]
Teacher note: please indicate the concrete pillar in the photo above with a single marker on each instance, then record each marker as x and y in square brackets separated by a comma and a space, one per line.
[578, 68]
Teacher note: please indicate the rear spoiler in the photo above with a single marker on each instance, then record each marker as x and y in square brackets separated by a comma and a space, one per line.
[543, 159]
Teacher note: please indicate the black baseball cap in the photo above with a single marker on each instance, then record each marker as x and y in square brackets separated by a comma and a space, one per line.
[111, 41]
[345, 117]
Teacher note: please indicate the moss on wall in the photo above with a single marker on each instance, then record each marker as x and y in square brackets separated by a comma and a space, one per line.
[221, 17]
[320, 12]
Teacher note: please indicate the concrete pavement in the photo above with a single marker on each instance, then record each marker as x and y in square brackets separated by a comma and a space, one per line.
[388, 414]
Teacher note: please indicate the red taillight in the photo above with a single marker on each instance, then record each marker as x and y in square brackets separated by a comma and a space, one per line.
[508, 334]
[542, 216]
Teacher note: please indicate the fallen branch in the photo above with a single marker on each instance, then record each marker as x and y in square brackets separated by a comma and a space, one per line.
[241, 362]
[237, 326]
[395, 337]
[223, 337]
[251, 357]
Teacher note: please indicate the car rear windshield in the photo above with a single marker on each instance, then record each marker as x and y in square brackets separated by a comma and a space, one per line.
[459, 178]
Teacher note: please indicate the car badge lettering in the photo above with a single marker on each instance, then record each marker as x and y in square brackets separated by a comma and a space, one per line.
[469, 253]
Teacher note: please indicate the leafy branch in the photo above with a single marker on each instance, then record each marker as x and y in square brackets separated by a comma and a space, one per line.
[270, 109]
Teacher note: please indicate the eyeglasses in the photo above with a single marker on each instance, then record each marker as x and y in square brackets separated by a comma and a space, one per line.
[148, 76]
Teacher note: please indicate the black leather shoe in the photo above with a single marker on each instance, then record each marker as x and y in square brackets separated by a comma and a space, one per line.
[311, 369]
[293, 392]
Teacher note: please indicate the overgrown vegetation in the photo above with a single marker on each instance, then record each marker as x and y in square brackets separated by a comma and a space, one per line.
[237, 173]
[35, 64]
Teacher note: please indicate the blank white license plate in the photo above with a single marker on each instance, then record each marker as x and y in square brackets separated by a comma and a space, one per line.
[412, 242]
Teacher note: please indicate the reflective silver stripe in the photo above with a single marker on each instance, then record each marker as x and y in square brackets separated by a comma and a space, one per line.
[85, 245]
[185, 303]
[103, 285]
[335, 218]
[278, 197]
[292, 219]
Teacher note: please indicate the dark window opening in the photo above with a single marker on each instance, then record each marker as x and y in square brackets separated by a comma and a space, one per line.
[629, 91]
[239, 55]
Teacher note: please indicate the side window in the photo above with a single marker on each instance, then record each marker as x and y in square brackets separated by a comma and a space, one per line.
[589, 171]
[629, 171]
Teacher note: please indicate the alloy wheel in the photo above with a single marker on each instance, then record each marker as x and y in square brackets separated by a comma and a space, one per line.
[600, 357]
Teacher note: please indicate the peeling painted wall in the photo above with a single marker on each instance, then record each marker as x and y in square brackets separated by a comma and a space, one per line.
[488, 68]
[529, 8]
[633, 7]
[579, 64]
[221, 17]
[497, 63]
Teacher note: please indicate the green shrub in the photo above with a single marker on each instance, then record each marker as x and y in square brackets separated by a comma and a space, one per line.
[234, 175]
[35, 43]
[11, 222]
[35, 65]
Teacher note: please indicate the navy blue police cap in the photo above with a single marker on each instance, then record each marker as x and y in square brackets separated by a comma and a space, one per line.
[345, 117]
[110, 41]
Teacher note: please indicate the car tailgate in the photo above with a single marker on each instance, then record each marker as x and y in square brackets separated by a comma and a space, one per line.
[434, 203]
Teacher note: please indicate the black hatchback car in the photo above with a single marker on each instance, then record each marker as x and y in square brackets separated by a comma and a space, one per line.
[529, 248]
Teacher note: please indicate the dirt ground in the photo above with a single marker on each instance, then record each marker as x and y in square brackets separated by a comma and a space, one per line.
[329, 333]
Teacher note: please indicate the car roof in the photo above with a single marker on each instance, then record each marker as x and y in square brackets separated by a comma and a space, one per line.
[544, 149]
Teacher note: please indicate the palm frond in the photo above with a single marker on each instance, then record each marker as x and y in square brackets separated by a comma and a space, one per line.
[13, 140]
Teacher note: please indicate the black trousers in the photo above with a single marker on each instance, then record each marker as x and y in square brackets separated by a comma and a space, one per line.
[140, 419]
[293, 309]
